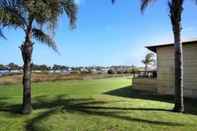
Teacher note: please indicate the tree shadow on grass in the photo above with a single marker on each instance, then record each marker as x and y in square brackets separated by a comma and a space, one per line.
[128, 92]
[14, 109]
[89, 107]
[30, 124]
[83, 106]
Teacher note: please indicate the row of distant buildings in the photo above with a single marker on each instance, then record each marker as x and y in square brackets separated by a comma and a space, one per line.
[13, 68]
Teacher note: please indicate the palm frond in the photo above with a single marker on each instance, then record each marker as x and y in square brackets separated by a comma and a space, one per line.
[45, 12]
[145, 4]
[2, 35]
[10, 14]
[8, 2]
[70, 9]
[113, 1]
[195, 1]
[176, 8]
[44, 38]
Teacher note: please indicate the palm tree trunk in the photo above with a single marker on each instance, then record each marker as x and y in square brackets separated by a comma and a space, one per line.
[26, 50]
[179, 104]
[176, 12]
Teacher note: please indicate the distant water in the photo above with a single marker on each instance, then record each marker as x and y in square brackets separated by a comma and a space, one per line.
[3, 72]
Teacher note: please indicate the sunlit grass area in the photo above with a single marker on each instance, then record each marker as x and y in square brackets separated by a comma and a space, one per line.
[93, 105]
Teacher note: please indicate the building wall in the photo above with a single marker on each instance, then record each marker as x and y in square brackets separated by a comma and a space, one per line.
[145, 84]
[165, 61]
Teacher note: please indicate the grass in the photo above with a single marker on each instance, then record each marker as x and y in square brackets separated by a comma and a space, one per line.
[93, 105]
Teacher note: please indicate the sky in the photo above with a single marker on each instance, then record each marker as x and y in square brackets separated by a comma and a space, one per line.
[106, 34]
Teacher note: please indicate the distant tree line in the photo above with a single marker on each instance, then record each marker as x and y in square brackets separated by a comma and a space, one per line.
[81, 69]
[10, 66]
[43, 67]
[123, 69]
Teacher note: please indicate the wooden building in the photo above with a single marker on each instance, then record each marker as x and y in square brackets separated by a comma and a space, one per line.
[164, 83]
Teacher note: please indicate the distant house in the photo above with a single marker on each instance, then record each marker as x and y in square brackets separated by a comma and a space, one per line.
[164, 83]
[16, 71]
[104, 70]
[4, 70]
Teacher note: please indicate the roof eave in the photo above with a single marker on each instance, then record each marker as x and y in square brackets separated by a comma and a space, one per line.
[154, 47]
[151, 48]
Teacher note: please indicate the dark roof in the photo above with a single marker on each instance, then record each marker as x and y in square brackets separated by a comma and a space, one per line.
[154, 47]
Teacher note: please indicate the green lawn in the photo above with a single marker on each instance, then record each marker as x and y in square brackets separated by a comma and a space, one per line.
[93, 105]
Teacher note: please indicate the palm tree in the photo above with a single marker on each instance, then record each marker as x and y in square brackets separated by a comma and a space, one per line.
[34, 17]
[175, 11]
[176, 8]
[148, 60]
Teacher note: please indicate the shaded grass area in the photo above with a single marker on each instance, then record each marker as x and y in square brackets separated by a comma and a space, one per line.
[92, 105]
[190, 104]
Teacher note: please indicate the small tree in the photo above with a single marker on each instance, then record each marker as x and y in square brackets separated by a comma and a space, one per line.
[148, 60]
[111, 71]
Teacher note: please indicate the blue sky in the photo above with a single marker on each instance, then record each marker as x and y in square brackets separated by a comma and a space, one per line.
[105, 35]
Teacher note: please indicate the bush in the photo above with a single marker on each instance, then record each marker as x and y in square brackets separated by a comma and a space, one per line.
[119, 72]
[110, 71]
